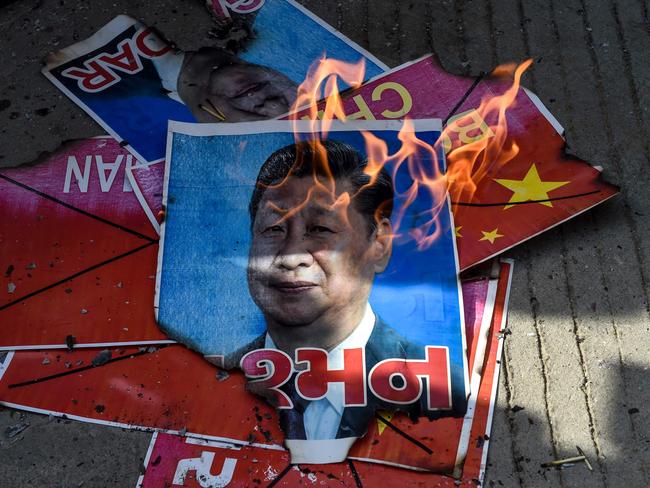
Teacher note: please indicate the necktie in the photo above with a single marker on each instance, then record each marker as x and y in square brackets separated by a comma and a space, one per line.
[292, 420]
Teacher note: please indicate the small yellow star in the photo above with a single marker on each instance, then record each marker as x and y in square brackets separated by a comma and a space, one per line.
[457, 231]
[381, 426]
[530, 188]
[491, 236]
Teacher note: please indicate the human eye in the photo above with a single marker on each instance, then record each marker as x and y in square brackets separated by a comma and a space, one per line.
[248, 90]
[320, 229]
[273, 230]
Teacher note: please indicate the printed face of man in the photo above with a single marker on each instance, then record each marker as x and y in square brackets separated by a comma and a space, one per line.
[238, 90]
[315, 262]
[250, 92]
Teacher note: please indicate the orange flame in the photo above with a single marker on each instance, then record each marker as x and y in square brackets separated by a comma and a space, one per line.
[321, 83]
[421, 162]
[468, 162]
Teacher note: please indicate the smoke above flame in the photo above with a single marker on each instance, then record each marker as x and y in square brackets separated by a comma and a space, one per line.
[467, 162]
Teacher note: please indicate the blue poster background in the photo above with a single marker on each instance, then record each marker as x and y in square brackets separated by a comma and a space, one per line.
[137, 108]
[204, 300]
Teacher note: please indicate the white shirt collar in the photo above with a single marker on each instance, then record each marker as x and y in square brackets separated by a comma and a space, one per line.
[358, 338]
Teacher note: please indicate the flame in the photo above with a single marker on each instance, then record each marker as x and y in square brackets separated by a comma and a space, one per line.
[468, 162]
[420, 159]
[321, 83]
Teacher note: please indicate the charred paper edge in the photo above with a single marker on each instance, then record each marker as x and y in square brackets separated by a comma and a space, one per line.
[106, 33]
[285, 126]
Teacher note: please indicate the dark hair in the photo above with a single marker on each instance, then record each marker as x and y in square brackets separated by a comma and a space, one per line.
[343, 163]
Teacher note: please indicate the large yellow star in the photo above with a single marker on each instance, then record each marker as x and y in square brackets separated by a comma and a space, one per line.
[491, 236]
[530, 188]
[457, 231]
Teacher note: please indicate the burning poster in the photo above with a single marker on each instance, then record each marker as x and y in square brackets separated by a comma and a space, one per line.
[510, 176]
[508, 173]
[131, 81]
[336, 254]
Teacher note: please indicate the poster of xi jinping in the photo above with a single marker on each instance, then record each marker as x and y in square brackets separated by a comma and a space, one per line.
[320, 260]
[132, 81]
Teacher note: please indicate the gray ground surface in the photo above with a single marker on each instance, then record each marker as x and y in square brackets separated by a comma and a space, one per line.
[577, 360]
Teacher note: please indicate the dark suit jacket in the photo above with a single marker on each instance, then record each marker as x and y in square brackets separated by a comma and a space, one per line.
[384, 343]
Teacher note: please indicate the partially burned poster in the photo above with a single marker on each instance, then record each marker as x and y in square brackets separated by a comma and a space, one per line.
[131, 80]
[509, 175]
[182, 383]
[321, 263]
[495, 194]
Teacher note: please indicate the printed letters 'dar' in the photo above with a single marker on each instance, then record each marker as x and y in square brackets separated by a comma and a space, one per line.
[102, 71]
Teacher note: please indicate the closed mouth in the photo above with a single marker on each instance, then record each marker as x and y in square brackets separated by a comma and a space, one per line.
[293, 286]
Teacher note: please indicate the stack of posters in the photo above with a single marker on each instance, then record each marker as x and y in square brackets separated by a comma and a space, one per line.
[175, 392]
[283, 248]
[302, 254]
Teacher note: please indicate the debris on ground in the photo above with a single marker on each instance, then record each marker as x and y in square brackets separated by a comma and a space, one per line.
[569, 461]
[102, 358]
[13, 430]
